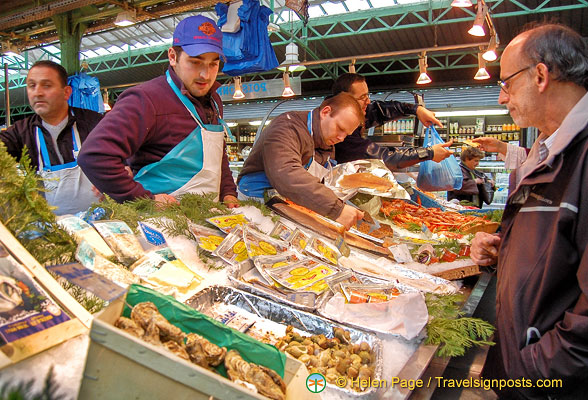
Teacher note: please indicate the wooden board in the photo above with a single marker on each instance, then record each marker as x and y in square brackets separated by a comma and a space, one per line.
[328, 230]
[121, 366]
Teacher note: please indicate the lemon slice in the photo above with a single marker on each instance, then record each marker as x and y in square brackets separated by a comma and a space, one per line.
[268, 248]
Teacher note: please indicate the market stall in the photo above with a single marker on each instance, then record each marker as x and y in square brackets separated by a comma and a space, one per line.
[250, 302]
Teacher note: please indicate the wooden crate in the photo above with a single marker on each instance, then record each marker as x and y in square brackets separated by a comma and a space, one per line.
[79, 323]
[122, 366]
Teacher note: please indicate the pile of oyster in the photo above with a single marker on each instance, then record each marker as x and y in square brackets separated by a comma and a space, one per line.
[332, 357]
[148, 324]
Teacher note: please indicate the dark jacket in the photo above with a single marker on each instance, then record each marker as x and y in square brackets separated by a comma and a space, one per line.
[23, 133]
[146, 122]
[355, 147]
[469, 191]
[283, 150]
[542, 285]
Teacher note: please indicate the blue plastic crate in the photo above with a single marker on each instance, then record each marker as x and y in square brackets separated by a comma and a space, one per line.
[425, 200]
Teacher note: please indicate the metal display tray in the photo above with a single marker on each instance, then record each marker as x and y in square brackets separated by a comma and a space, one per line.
[304, 321]
[305, 301]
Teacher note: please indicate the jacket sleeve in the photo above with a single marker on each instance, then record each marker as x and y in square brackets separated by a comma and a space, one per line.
[468, 186]
[563, 350]
[116, 137]
[283, 165]
[13, 139]
[227, 185]
[379, 112]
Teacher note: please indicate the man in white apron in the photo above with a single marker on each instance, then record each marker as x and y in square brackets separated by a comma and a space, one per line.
[53, 138]
[292, 152]
[169, 130]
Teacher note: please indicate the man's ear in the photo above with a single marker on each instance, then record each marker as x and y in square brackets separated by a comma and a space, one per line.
[325, 111]
[542, 77]
[68, 90]
[172, 56]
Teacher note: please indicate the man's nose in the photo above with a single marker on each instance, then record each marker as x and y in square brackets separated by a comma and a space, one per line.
[502, 97]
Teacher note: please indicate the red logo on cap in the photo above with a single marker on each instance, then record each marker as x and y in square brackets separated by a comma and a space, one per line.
[207, 28]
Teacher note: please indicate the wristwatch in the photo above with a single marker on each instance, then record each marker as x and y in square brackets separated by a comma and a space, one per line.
[423, 153]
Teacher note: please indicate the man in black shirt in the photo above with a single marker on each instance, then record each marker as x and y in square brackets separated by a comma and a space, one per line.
[377, 113]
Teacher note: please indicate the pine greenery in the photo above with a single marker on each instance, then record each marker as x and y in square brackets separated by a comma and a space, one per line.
[452, 332]
[24, 390]
[26, 213]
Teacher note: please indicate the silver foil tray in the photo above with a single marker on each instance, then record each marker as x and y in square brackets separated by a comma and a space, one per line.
[306, 322]
[306, 301]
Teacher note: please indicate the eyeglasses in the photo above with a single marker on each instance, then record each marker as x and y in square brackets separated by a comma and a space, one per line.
[502, 82]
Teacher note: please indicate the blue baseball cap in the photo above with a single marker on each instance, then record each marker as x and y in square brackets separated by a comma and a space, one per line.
[198, 35]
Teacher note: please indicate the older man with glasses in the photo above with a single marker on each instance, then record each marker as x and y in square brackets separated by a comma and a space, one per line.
[541, 252]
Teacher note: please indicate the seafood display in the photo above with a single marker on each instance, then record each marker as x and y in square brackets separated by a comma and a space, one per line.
[333, 357]
[266, 381]
[323, 346]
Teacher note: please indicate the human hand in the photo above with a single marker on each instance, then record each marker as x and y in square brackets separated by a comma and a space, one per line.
[163, 199]
[479, 181]
[427, 117]
[231, 201]
[491, 144]
[349, 216]
[484, 249]
[441, 151]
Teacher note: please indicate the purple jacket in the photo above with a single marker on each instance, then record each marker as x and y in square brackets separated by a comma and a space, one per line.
[146, 122]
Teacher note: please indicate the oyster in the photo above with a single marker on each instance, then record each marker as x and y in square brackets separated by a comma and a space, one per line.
[266, 381]
[144, 313]
[129, 326]
[198, 346]
[177, 349]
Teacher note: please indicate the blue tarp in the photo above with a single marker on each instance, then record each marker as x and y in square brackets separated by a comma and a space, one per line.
[85, 92]
[249, 49]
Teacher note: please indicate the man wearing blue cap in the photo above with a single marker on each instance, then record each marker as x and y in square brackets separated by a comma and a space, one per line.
[169, 130]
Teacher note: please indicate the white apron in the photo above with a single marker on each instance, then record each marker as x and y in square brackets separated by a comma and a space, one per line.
[67, 188]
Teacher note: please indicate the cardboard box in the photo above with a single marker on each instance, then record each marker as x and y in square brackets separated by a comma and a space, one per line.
[122, 366]
[79, 319]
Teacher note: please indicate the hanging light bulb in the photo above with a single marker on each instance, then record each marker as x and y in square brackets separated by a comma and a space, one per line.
[482, 73]
[238, 91]
[423, 77]
[288, 92]
[490, 54]
[105, 99]
[461, 3]
[352, 66]
[478, 28]
[291, 62]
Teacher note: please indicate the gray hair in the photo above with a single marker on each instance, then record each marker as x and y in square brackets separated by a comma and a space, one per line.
[561, 49]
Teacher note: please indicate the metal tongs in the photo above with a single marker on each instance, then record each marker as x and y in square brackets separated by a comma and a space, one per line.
[367, 218]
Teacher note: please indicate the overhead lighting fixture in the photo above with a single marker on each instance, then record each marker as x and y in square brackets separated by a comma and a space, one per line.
[423, 77]
[105, 99]
[461, 3]
[469, 113]
[238, 91]
[288, 92]
[490, 54]
[291, 62]
[232, 124]
[9, 50]
[352, 66]
[482, 73]
[126, 18]
[271, 27]
[478, 28]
